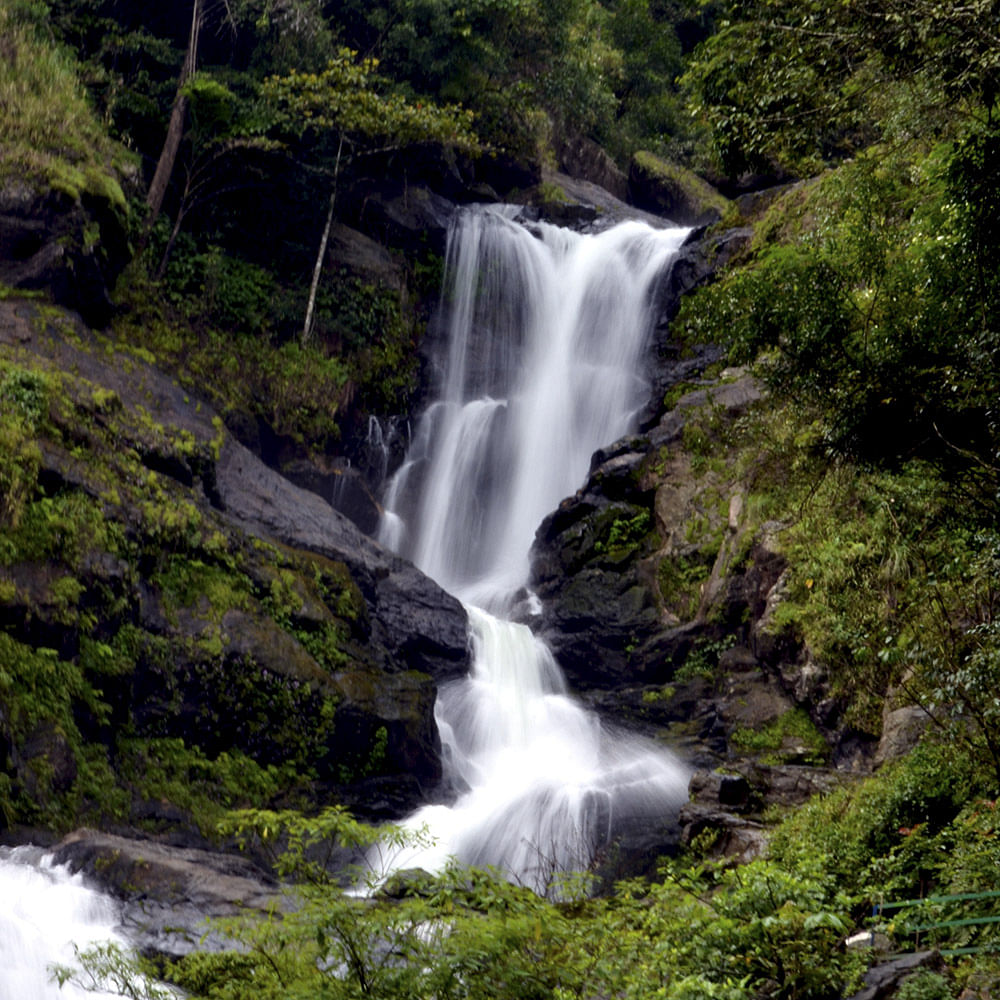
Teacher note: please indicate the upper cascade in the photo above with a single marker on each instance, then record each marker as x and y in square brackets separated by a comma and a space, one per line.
[546, 331]
[546, 334]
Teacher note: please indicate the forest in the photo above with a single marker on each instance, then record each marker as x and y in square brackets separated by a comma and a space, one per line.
[223, 156]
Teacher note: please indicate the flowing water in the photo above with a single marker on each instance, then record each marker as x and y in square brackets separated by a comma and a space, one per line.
[44, 912]
[546, 331]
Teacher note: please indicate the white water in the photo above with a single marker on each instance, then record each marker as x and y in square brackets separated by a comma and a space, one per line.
[44, 912]
[546, 333]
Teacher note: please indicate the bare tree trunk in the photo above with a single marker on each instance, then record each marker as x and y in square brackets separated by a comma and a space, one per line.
[161, 270]
[175, 129]
[321, 255]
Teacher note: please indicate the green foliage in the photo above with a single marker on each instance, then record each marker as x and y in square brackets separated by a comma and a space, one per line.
[19, 466]
[24, 394]
[925, 984]
[680, 578]
[63, 528]
[884, 836]
[649, 109]
[703, 659]
[168, 770]
[792, 85]
[365, 324]
[220, 289]
[261, 729]
[468, 935]
[107, 969]
[65, 780]
[625, 534]
[241, 351]
[868, 320]
[517, 63]
[344, 100]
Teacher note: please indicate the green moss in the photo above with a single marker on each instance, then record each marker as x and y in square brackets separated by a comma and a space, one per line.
[203, 786]
[680, 579]
[548, 193]
[42, 693]
[623, 532]
[213, 590]
[790, 737]
[703, 660]
[20, 460]
[24, 393]
[679, 179]
[61, 528]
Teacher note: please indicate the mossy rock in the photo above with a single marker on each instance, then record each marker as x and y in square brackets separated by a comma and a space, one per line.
[673, 191]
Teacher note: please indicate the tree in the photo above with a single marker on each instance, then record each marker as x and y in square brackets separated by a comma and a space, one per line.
[178, 114]
[794, 84]
[225, 153]
[332, 118]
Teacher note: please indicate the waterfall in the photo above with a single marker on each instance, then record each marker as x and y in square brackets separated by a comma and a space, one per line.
[44, 912]
[546, 330]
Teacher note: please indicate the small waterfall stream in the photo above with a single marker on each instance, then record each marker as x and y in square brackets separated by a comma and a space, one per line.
[546, 331]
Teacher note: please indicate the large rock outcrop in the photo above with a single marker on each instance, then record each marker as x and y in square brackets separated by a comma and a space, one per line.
[168, 893]
[234, 610]
[611, 613]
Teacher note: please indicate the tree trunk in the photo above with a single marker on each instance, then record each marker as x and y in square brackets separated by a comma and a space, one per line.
[320, 256]
[175, 129]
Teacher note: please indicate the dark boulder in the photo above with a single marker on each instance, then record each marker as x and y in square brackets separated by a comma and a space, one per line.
[735, 837]
[584, 159]
[409, 218]
[421, 625]
[342, 486]
[71, 245]
[883, 980]
[672, 191]
[587, 571]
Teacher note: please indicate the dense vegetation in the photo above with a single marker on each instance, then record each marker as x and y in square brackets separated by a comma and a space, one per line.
[867, 303]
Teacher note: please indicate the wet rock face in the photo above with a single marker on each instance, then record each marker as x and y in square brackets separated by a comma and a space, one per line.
[596, 609]
[596, 559]
[585, 159]
[422, 626]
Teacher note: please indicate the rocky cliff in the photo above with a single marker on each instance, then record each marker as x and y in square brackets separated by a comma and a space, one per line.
[193, 594]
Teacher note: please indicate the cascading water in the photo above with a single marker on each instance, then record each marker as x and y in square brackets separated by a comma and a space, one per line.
[44, 912]
[546, 333]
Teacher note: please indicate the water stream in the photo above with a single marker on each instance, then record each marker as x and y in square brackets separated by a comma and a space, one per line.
[44, 912]
[546, 330]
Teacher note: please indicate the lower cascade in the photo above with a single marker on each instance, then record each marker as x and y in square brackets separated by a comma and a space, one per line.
[546, 330]
[45, 914]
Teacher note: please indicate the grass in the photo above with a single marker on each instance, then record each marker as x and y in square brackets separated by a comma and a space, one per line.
[48, 128]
